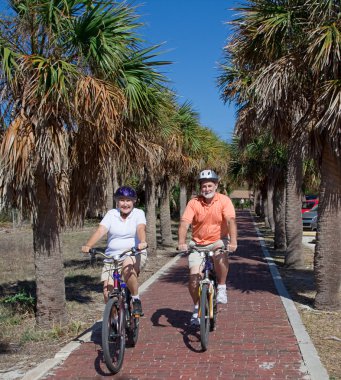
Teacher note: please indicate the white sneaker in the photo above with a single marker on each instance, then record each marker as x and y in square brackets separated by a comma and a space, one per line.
[195, 321]
[221, 296]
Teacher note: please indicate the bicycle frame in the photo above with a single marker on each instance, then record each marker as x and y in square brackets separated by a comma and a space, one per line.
[209, 279]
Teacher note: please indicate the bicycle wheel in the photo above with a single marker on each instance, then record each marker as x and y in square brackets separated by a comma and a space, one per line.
[204, 317]
[113, 334]
[133, 330]
[213, 320]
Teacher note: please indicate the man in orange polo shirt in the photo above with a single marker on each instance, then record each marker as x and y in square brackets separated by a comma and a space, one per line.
[213, 219]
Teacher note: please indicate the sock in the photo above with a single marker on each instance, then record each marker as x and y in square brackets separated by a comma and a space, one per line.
[137, 297]
[221, 286]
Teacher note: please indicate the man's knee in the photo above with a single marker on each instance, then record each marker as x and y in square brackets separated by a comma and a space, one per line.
[194, 279]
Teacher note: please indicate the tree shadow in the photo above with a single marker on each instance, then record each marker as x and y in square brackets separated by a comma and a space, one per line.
[78, 288]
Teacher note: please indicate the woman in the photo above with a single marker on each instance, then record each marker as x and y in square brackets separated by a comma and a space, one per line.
[126, 228]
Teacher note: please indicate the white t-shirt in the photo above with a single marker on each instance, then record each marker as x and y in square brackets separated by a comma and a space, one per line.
[122, 232]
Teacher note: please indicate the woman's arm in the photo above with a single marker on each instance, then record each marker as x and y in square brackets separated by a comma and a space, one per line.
[141, 234]
[98, 234]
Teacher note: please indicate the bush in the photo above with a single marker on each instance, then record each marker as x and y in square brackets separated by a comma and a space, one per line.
[20, 302]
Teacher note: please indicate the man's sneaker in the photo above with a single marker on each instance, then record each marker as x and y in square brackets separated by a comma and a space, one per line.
[221, 296]
[137, 307]
[195, 321]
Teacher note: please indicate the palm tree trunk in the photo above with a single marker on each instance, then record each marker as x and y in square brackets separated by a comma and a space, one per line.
[264, 205]
[183, 198]
[110, 192]
[256, 202]
[279, 216]
[293, 217]
[165, 217]
[150, 190]
[48, 260]
[270, 203]
[327, 260]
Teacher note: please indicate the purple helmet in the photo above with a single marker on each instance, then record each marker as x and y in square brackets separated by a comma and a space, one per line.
[125, 192]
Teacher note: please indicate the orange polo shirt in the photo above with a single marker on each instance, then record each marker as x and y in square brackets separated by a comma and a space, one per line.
[209, 220]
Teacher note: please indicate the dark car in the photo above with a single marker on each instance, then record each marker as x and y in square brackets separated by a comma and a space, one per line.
[309, 217]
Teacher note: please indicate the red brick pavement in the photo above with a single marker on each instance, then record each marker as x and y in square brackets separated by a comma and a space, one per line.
[253, 339]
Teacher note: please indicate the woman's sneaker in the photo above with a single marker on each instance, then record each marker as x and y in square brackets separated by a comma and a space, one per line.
[221, 296]
[137, 308]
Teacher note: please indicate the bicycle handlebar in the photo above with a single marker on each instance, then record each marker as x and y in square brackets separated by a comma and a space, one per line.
[129, 252]
[204, 250]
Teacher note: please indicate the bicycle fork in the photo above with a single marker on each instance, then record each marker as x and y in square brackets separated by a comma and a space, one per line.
[211, 296]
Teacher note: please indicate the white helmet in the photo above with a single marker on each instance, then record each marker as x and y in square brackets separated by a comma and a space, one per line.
[208, 175]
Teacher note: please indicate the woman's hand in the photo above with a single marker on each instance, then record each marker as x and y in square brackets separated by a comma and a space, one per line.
[142, 245]
[85, 249]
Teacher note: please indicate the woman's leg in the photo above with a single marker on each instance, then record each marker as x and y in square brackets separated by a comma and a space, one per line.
[130, 271]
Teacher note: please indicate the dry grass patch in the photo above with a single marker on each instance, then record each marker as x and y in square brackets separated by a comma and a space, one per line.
[22, 345]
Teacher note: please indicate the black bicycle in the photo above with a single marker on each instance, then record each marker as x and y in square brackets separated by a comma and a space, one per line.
[120, 325]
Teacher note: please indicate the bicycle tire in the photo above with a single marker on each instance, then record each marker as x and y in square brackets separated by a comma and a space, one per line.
[213, 320]
[133, 330]
[113, 334]
[204, 317]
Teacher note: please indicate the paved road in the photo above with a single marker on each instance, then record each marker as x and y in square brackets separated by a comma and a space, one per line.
[253, 340]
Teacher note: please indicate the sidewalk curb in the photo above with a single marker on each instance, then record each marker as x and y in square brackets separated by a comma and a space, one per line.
[43, 368]
[312, 363]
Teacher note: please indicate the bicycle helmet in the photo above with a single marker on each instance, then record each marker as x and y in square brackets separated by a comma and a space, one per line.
[208, 175]
[125, 192]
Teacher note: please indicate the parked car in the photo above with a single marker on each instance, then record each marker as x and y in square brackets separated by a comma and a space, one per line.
[313, 225]
[310, 217]
[308, 204]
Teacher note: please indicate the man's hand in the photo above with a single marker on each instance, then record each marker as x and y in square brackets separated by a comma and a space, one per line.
[232, 247]
[183, 247]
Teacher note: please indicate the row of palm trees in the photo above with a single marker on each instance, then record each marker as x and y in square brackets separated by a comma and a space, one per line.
[282, 67]
[81, 103]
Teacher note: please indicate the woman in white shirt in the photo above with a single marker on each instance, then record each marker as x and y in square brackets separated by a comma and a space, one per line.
[125, 227]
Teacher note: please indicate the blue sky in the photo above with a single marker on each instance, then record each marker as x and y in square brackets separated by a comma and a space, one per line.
[194, 33]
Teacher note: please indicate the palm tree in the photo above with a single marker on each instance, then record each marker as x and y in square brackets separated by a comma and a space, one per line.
[291, 50]
[64, 94]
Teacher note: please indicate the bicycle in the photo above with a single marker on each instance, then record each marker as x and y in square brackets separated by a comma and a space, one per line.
[207, 296]
[119, 323]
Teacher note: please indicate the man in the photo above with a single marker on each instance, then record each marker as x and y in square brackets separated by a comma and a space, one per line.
[213, 219]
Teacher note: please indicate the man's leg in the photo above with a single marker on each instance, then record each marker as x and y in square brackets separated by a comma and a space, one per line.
[221, 266]
[193, 283]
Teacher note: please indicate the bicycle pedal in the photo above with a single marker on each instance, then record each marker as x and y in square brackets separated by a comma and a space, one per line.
[138, 315]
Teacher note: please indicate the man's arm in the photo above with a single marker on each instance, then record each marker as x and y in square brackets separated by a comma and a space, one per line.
[182, 234]
[232, 228]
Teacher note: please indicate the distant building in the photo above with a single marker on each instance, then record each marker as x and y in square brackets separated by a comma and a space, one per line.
[241, 194]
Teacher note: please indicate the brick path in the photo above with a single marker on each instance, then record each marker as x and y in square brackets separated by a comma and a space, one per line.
[253, 340]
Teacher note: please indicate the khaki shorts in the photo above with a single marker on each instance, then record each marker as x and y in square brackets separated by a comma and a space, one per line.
[107, 269]
[194, 258]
